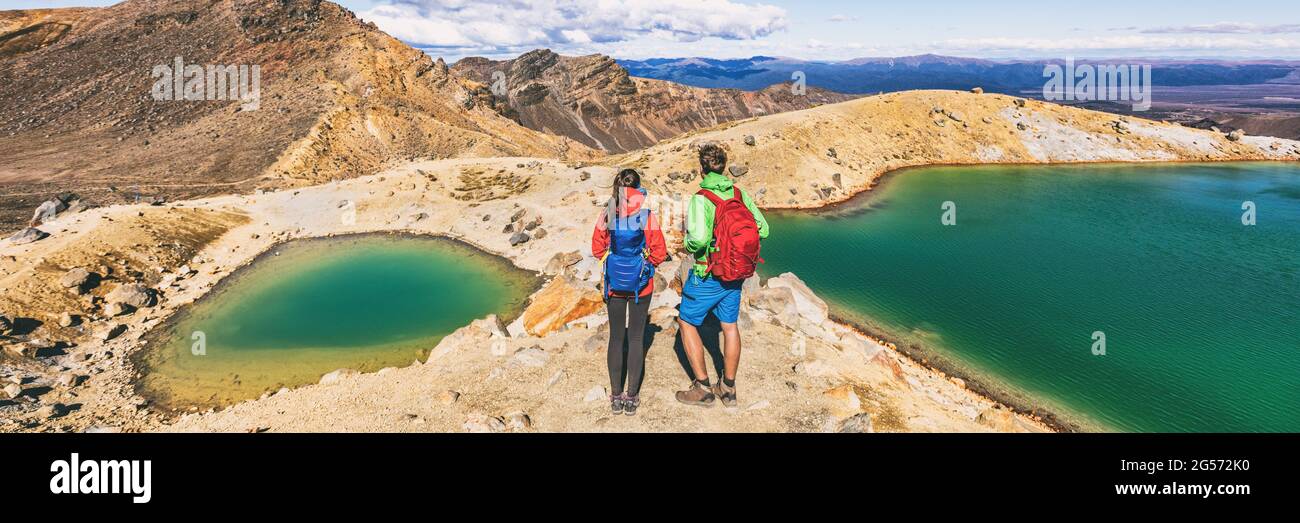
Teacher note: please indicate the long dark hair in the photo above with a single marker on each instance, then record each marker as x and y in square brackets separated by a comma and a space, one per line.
[624, 178]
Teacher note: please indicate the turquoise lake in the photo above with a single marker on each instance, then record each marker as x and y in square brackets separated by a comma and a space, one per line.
[309, 307]
[1200, 313]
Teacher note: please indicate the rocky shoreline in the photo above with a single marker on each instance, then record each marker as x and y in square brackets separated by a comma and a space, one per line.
[565, 311]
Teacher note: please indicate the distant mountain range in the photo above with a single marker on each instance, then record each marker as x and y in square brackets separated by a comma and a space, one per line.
[872, 75]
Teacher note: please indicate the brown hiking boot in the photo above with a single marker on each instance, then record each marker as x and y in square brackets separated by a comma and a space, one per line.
[698, 395]
[725, 393]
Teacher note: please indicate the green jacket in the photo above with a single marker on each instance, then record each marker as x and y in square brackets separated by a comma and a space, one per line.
[699, 219]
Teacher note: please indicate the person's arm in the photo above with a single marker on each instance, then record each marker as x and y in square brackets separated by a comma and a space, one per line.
[600, 238]
[699, 225]
[758, 215]
[654, 242]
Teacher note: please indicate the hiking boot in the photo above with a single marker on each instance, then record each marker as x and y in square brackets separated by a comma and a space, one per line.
[698, 395]
[630, 403]
[725, 393]
[617, 404]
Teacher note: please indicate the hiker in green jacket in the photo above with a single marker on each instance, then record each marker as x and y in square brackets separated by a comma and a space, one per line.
[704, 290]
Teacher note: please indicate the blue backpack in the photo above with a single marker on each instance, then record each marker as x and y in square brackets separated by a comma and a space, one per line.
[626, 269]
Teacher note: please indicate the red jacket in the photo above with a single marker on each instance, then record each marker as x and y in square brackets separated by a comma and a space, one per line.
[657, 252]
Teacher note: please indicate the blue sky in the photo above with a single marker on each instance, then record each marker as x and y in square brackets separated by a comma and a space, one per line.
[833, 29]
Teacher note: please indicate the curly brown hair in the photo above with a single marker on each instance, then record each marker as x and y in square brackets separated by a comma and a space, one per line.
[712, 158]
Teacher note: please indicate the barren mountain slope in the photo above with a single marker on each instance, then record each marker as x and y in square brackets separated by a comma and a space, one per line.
[22, 31]
[593, 100]
[827, 154]
[338, 99]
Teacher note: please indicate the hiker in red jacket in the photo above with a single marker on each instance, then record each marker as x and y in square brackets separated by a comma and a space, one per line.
[628, 240]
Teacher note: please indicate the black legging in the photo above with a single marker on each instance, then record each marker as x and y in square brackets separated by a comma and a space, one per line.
[626, 311]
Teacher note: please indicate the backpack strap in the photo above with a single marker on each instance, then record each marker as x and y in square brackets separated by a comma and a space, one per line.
[717, 201]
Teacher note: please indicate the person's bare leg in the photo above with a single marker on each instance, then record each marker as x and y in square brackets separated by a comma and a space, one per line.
[730, 350]
[698, 394]
[694, 346]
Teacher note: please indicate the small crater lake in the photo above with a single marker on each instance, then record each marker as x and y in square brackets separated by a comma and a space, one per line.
[1201, 314]
[311, 306]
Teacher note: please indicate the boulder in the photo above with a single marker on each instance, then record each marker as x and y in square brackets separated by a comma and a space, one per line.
[48, 211]
[778, 302]
[809, 306]
[66, 320]
[666, 298]
[749, 140]
[337, 376]
[518, 420]
[844, 401]
[111, 332]
[483, 424]
[857, 424]
[13, 390]
[477, 333]
[133, 294]
[738, 170]
[6, 325]
[562, 261]
[977, 90]
[560, 301]
[79, 279]
[1236, 135]
[28, 235]
[750, 286]
[70, 380]
[114, 310]
[52, 410]
[519, 238]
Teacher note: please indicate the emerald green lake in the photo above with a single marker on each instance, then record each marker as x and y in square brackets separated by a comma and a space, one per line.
[309, 307]
[1201, 314]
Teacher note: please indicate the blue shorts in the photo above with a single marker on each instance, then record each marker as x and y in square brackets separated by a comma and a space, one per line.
[700, 296]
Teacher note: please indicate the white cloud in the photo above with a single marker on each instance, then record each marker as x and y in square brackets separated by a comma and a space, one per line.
[1133, 45]
[1227, 28]
[842, 18]
[497, 26]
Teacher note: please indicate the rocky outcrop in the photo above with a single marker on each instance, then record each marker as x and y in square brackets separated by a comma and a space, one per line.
[131, 294]
[28, 235]
[559, 302]
[593, 100]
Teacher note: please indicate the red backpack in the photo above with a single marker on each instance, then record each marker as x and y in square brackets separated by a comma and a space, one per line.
[735, 236]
